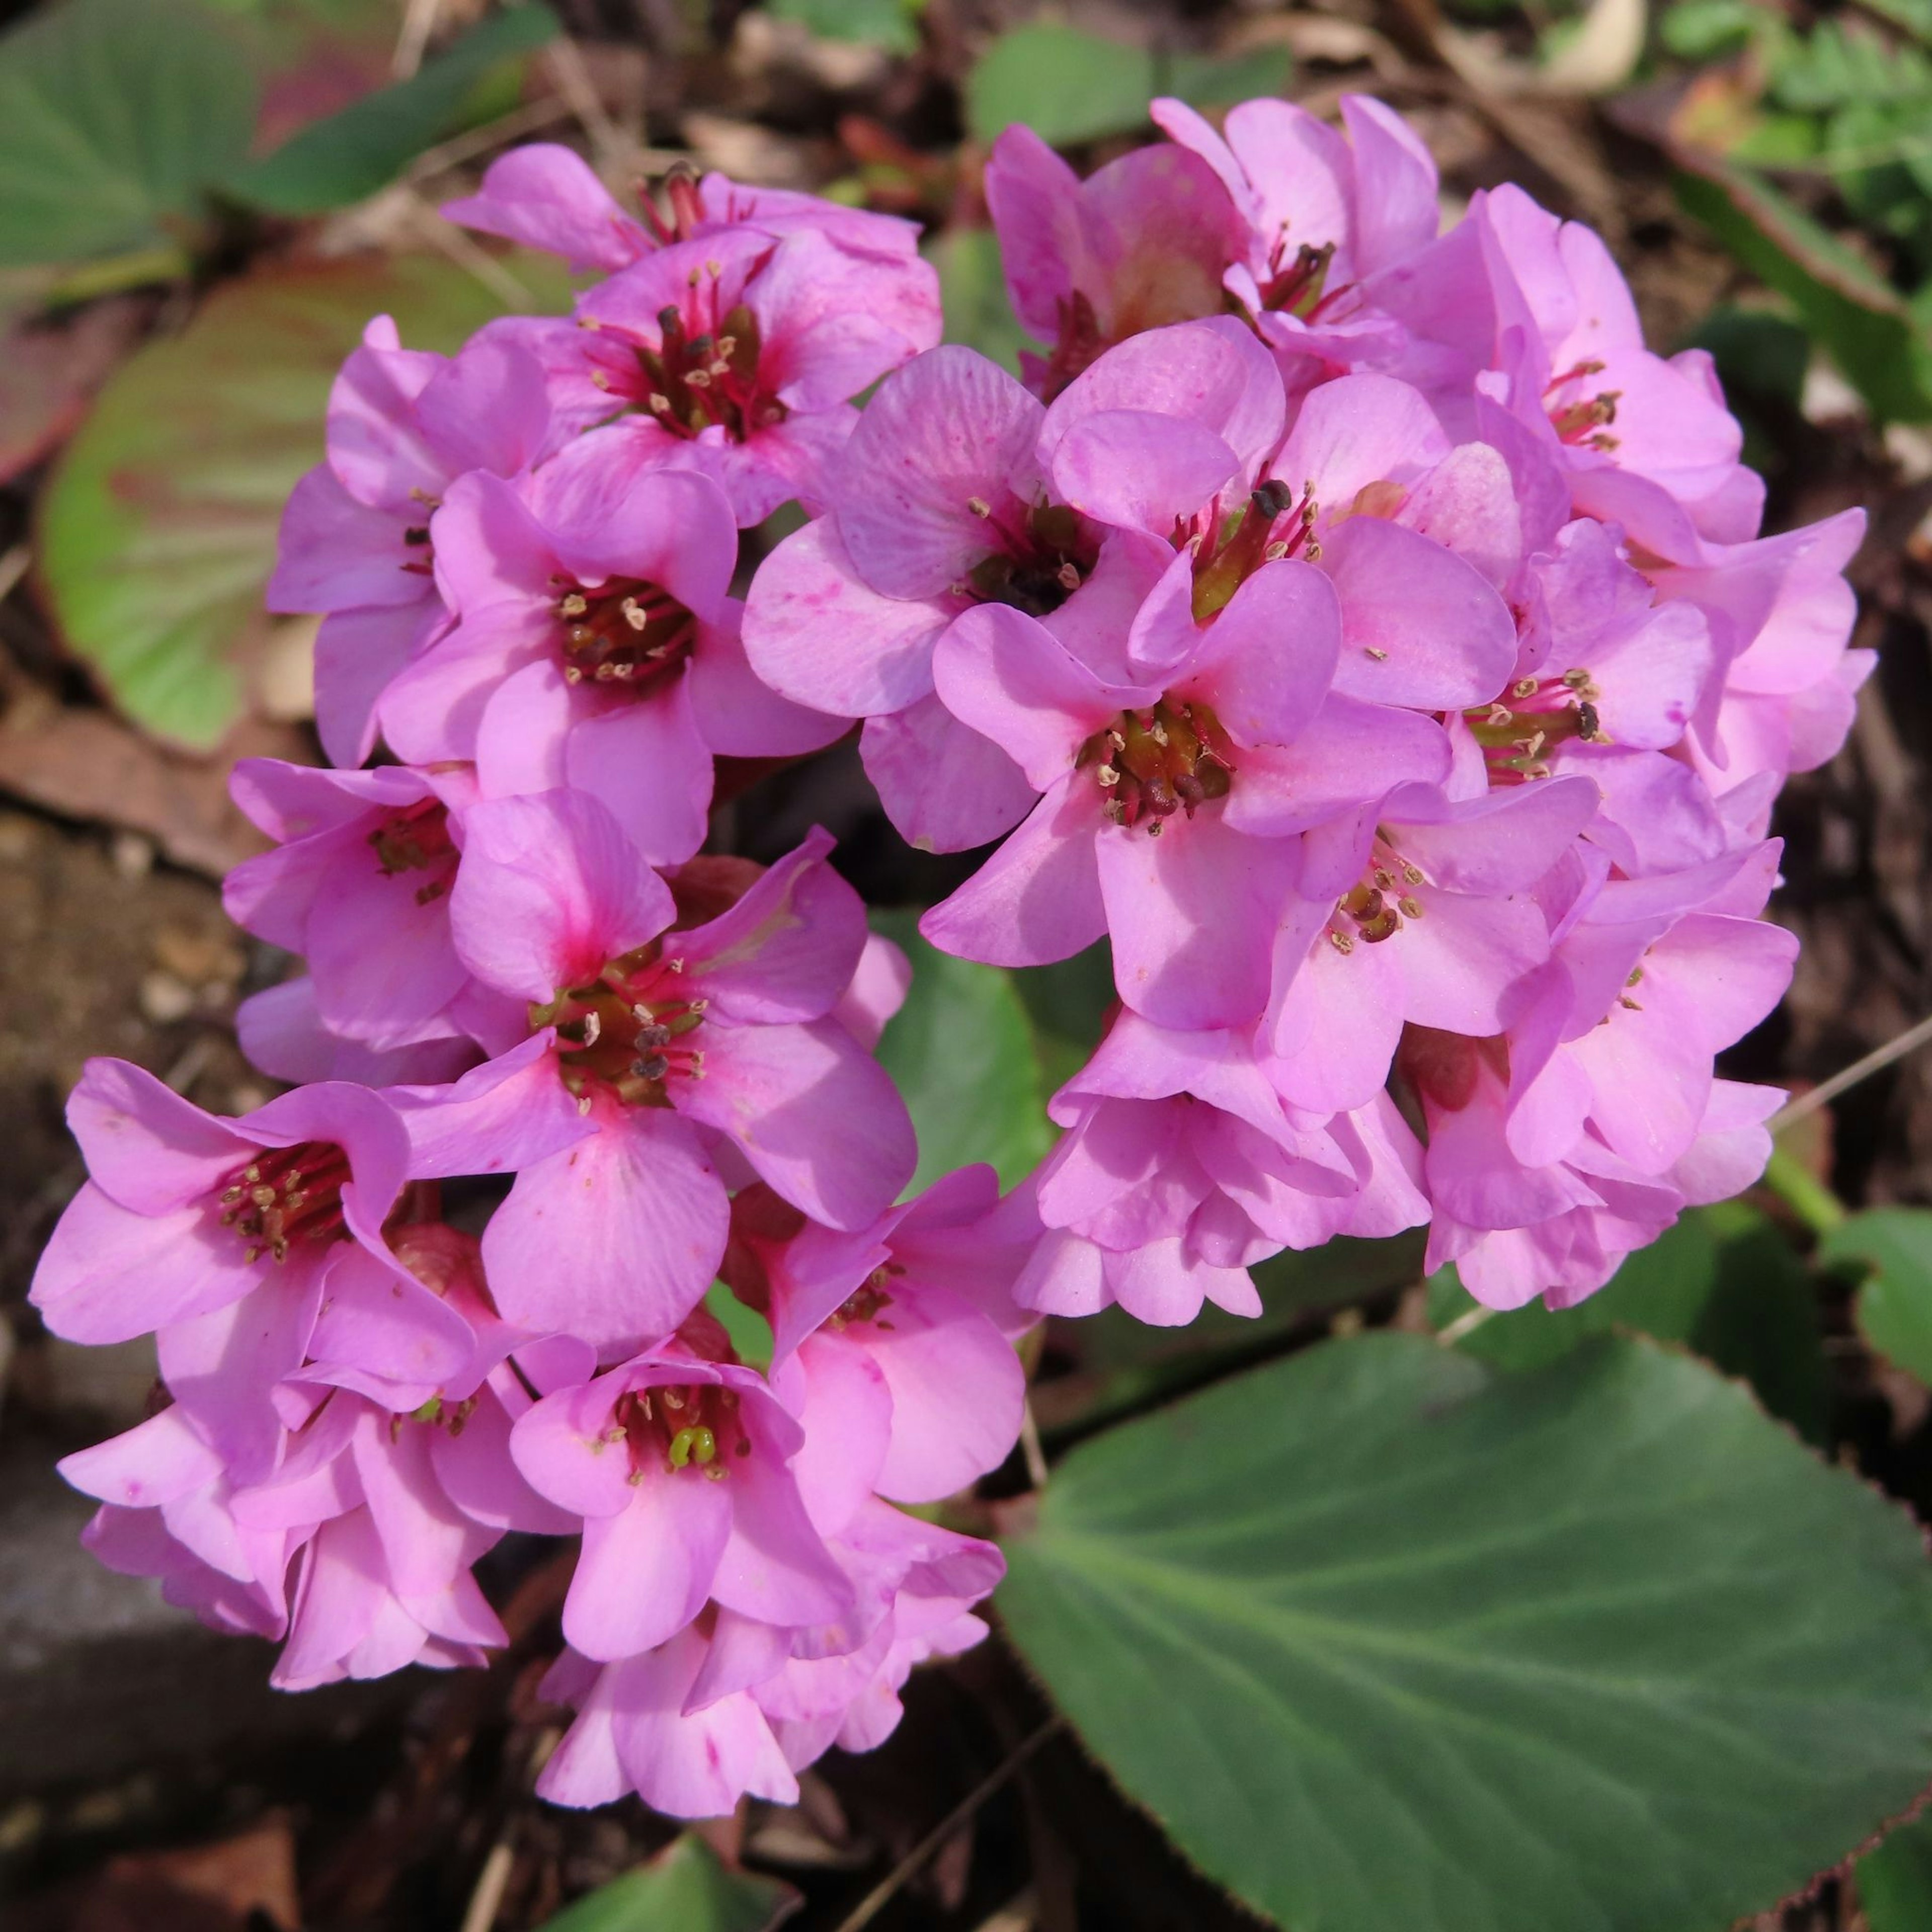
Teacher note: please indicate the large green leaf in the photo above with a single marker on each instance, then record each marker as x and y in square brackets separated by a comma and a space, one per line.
[1852, 312]
[962, 1053]
[1895, 1307]
[683, 1889]
[1066, 85]
[157, 531]
[1391, 1641]
[352, 154]
[115, 116]
[1895, 1881]
[1723, 1281]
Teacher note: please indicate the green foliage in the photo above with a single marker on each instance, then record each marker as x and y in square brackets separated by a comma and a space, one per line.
[1758, 354]
[684, 1887]
[1895, 1881]
[116, 116]
[1125, 1366]
[1068, 1003]
[1723, 1282]
[157, 529]
[1069, 85]
[750, 1332]
[1390, 1642]
[1894, 1307]
[1850, 310]
[889, 24]
[351, 154]
[1066, 85]
[1707, 30]
[1202, 80]
[972, 294]
[962, 1054]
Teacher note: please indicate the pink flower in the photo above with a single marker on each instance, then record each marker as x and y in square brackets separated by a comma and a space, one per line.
[731, 1706]
[167, 1511]
[1647, 443]
[383, 1515]
[1136, 834]
[1323, 213]
[359, 883]
[909, 1321]
[385, 1578]
[1559, 1230]
[1657, 976]
[1783, 608]
[230, 1235]
[1143, 242]
[653, 1052]
[735, 353]
[679, 1468]
[547, 196]
[1417, 910]
[594, 647]
[958, 490]
[403, 425]
[1182, 1168]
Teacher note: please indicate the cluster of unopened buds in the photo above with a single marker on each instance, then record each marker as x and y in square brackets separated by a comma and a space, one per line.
[1353, 623]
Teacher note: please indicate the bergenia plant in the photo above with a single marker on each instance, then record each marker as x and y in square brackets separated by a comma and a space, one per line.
[1354, 625]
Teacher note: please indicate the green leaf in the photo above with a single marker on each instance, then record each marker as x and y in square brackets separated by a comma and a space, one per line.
[353, 154]
[1203, 80]
[157, 529]
[684, 1887]
[1723, 1282]
[1390, 1643]
[973, 295]
[1067, 85]
[1895, 1881]
[1069, 1004]
[962, 1054]
[888, 24]
[1893, 1309]
[1760, 354]
[115, 116]
[1121, 1365]
[1851, 310]
[1701, 30]
[750, 1332]
[1660, 1290]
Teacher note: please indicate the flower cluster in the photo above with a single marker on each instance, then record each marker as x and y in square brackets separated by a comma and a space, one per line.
[1362, 631]
[650, 1069]
[1355, 625]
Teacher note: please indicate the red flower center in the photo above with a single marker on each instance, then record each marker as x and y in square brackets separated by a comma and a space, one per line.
[624, 635]
[627, 1033]
[1541, 713]
[1151, 764]
[1374, 908]
[703, 372]
[1581, 421]
[286, 1195]
[1226, 560]
[1042, 553]
[415, 838]
[679, 1426]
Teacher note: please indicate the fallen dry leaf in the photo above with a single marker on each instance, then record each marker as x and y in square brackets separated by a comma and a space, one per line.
[233, 1884]
[84, 764]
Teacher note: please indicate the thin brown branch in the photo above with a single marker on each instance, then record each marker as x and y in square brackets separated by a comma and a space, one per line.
[888, 1888]
[1826, 1091]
